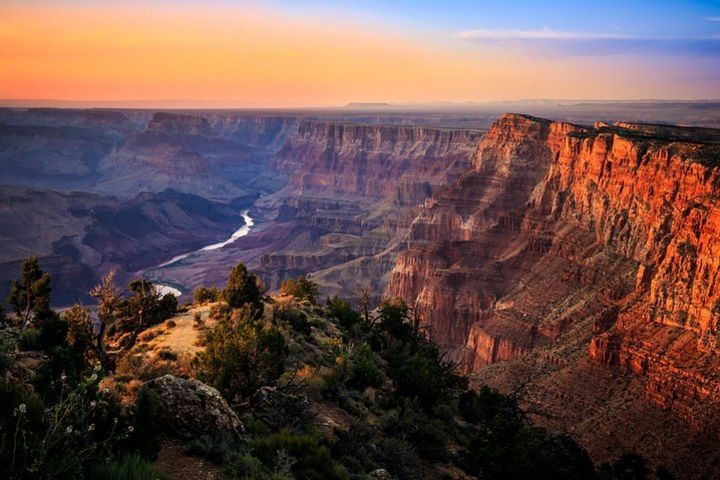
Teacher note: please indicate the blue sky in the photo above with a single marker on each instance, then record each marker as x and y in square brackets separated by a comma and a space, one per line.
[555, 27]
[647, 18]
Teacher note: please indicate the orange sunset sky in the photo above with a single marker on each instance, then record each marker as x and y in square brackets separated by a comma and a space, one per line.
[308, 54]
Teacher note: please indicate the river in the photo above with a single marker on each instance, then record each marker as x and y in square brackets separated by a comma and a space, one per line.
[239, 233]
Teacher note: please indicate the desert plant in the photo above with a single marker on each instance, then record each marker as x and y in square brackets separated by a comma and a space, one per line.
[204, 294]
[30, 339]
[312, 461]
[241, 355]
[301, 288]
[30, 295]
[130, 467]
[147, 432]
[364, 372]
[295, 317]
[243, 288]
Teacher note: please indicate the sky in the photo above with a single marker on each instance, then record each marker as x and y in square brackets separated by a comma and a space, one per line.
[302, 53]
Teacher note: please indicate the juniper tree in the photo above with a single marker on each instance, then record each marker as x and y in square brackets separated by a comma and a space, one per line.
[30, 295]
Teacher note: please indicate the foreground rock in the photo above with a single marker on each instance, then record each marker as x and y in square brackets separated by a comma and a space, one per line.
[191, 408]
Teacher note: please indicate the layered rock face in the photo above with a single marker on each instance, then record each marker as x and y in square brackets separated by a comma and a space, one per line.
[351, 194]
[269, 132]
[558, 225]
[180, 152]
[370, 160]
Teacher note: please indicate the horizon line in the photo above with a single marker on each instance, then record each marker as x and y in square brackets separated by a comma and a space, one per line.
[196, 104]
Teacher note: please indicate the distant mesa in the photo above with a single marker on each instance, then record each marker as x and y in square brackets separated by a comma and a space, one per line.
[368, 105]
[174, 123]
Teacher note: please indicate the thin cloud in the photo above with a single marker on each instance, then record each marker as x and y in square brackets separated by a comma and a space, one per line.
[712, 19]
[557, 42]
[544, 34]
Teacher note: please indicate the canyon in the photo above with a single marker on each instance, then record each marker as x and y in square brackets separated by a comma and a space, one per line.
[595, 240]
[572, 262]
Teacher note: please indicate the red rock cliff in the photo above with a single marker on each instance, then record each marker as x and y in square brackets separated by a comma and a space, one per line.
[557, 223]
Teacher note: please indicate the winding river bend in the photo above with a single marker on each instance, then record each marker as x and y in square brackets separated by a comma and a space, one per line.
[239, 233]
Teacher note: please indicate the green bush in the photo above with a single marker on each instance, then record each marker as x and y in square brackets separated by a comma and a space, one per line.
[301, 288]
[131, 467]
[7, 351]
[398, 457]
[420, 378]
[167, 307]
[243, 288]
[53, 330]
[241, 355]
[312, 461]
[147, 427]
[426, 433]
[294, 317]
[343, 312]
[364, 372]
[204, 294]
[30, 339]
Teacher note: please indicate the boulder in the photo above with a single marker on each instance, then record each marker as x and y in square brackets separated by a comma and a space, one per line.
[191, 408]
[380, 474]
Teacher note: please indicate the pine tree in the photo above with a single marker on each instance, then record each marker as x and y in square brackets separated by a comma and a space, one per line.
[242, 288]
[30, 295]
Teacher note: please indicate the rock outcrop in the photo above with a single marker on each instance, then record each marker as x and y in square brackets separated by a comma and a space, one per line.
[557, 225]
[190, 408]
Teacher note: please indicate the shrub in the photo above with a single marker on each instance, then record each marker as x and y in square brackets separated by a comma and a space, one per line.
[248, 467]
[204, 294]
[7, 350]
[302, 288]
[218, 447]
[147, 431]
[198, 321]
[364, 372]
[53, 330]
[241, 355]
[30, 339]
[167, 307]
[421, 378]
[343, 312]
[296, 318]
[398, 456]
[394, 320]
[79, 328]
[312, 460]
[30, 295]
[167, 354]
[243, 288]
[131, 467]
[61, 440]
[424, 432]
[170, 323]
